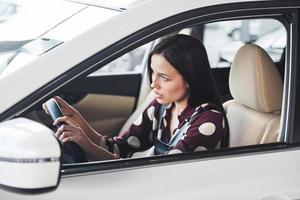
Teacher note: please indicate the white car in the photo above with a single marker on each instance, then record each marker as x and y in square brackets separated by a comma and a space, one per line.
[262, 161]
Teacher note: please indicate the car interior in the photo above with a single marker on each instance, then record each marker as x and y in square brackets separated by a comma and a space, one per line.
[250, 87]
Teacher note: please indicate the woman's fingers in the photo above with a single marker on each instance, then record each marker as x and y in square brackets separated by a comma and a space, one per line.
[69, 136]
[69, 133]
[62, 103]
[45, 108]
[66, 134]
[65, 120]
[66, 108]
[69, 139]
[66, 130]
[60, 130]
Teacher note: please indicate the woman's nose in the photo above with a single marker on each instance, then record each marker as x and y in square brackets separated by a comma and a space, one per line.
[154, 83]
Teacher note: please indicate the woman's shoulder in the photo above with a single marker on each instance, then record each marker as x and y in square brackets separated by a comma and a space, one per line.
[209, 107]
[208, 112]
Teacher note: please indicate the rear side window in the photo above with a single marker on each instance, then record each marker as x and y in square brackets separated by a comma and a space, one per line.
[223, 39]
[130, 62]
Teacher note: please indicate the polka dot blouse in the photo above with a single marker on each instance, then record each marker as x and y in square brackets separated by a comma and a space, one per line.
[203, 133]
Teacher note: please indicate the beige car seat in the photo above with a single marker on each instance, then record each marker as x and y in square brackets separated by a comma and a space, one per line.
[149, 98]
[256, 86]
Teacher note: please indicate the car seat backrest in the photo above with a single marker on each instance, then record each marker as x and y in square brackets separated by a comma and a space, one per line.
[256, 87]
[138, 111]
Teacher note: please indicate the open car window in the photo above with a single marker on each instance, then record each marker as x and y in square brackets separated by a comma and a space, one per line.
[269, 34]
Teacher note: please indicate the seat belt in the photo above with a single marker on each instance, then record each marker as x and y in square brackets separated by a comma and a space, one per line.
[160, 146]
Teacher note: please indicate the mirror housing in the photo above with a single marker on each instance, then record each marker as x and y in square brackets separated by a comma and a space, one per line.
[29, 156]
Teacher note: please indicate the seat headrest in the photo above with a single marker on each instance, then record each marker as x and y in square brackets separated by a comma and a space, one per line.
[254, 80]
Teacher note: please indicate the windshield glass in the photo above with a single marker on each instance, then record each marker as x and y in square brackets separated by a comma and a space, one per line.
[37, 30]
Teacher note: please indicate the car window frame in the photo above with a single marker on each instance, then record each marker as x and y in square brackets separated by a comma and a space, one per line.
[292, 75]
[159, 29]
[213, 154]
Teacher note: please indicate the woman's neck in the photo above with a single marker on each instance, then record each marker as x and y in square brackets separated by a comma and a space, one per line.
[176, 111]
[180, 106]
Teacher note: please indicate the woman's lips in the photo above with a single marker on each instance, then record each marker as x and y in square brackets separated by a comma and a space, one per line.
[157, 95]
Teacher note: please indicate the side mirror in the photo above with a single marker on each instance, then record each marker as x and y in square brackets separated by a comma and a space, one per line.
[29, 157]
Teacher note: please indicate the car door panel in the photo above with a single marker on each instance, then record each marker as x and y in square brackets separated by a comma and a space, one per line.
[201, 179]
[226, 177]
[126, 84]
[108, 101]
[106, 113]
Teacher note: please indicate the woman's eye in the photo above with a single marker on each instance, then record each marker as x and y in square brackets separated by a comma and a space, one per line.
[164, 78]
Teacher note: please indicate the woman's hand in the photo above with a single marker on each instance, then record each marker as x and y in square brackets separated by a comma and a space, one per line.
[70, 131]
[72, 114]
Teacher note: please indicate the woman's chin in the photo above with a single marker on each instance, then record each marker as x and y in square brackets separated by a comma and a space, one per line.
[162, 101]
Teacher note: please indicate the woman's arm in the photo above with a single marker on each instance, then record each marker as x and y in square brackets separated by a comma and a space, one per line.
[97, 147]
[70, 131]
[96, 152]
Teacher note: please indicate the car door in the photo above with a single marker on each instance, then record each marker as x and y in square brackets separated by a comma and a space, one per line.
[266, 171]
[231, 174]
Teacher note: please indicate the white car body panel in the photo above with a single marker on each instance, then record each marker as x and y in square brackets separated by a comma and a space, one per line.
[259, 181]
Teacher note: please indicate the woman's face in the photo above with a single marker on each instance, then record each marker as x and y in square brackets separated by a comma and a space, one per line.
[168, 85]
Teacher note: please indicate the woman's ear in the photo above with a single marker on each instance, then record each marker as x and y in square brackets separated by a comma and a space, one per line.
[187, 89]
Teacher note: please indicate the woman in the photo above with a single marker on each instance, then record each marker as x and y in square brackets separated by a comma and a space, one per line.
[184, 91]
